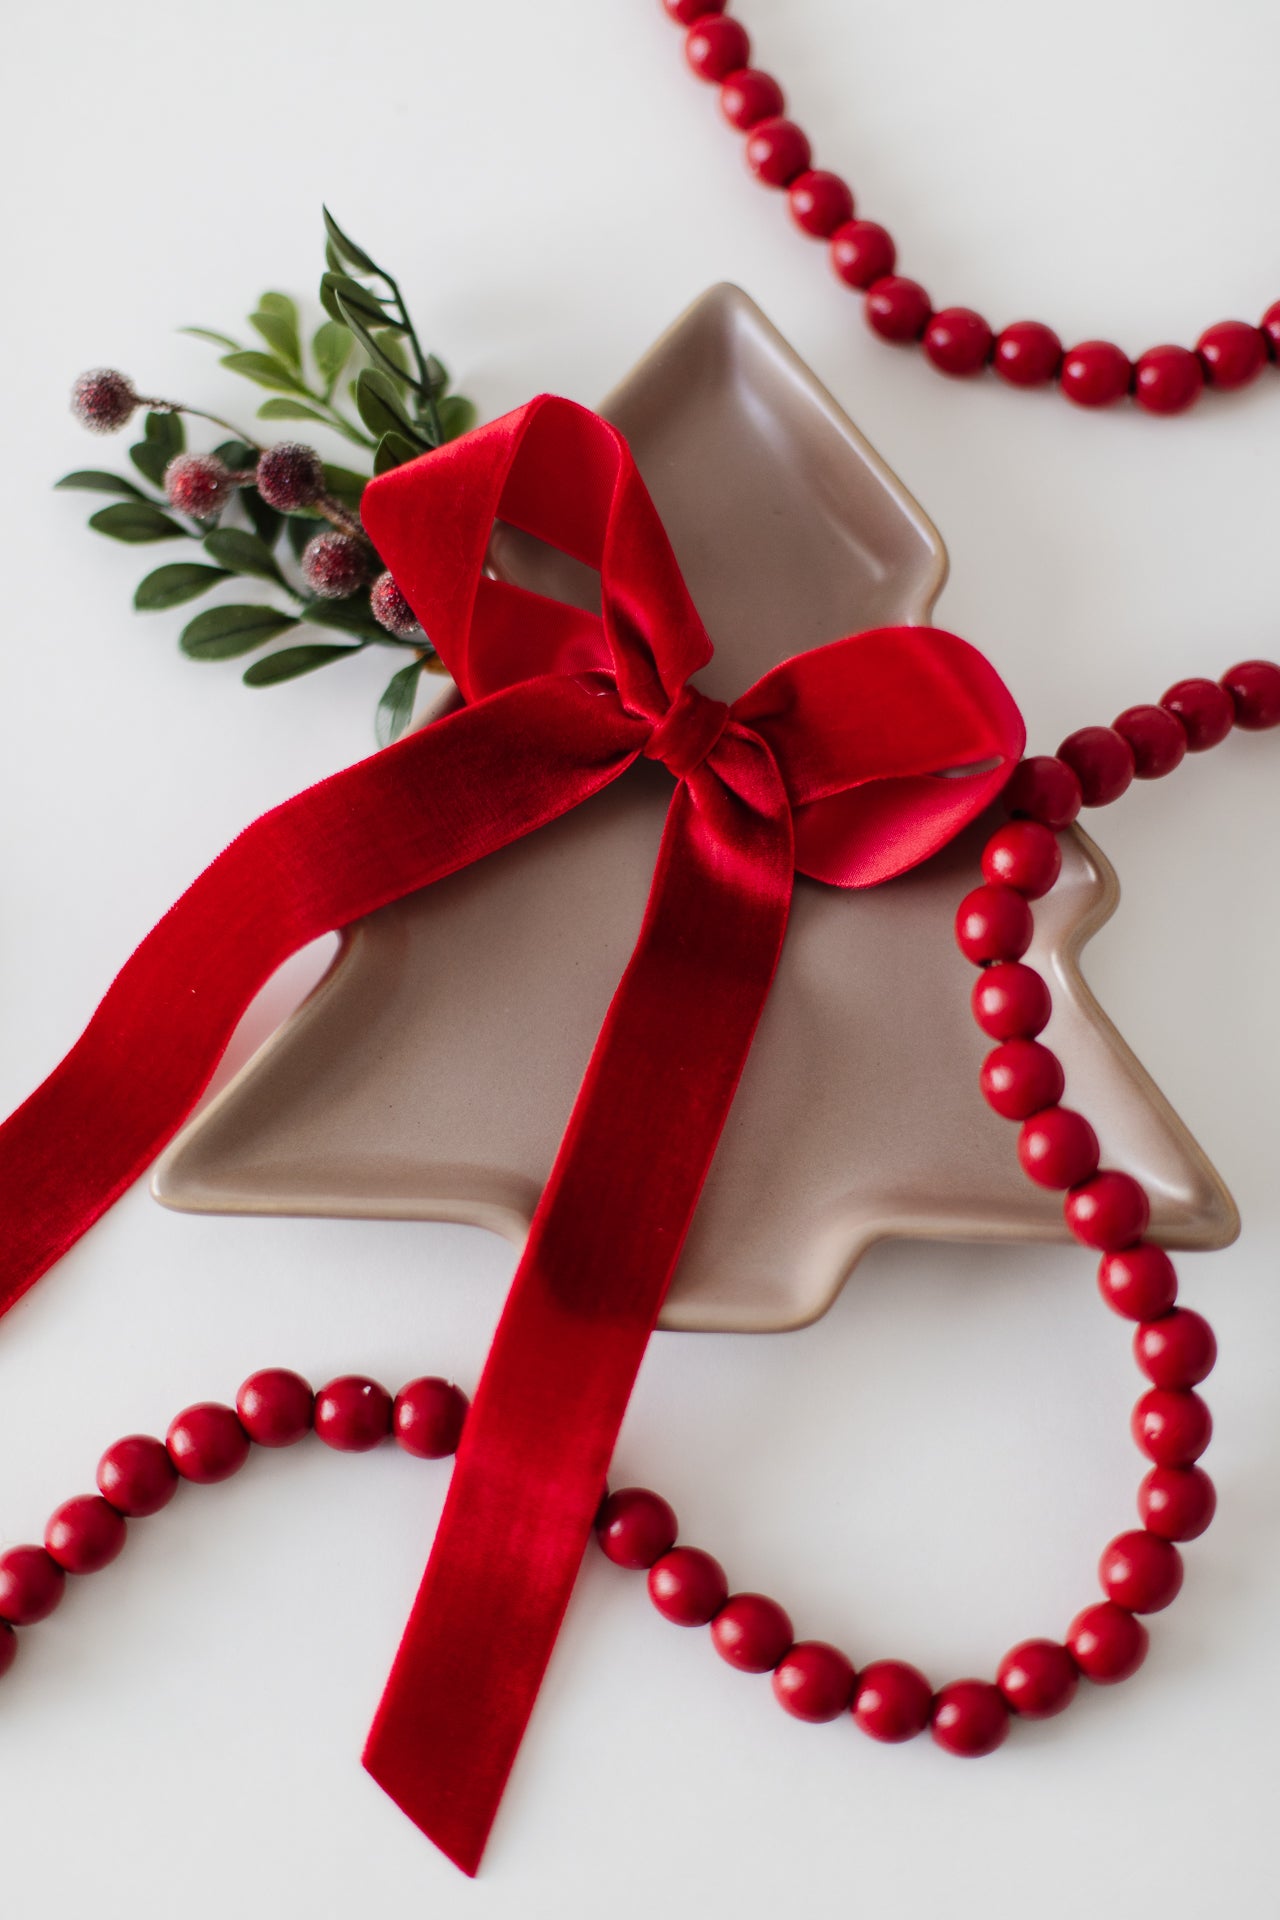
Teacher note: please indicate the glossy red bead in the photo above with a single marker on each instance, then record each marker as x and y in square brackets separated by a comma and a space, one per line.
[1232, 354]
[207, 1443]
[1010, 1001]
[1102, 761]
[897, 309]
[635, 1528]
[1205, 710]
[862, 252]
[1019, 1078]
[1107, 1212]
[1057, 1148]
[751, 1632]
[428, 1416]
[1141, 1572]
[31, 1585]
[1044, 788]
[1156, 739]
[353, 1415]
[993, 923]
[137, 1476]
[820, 202]
[85, 1534]
[8, 1647]
[1178, 1350]
[1023, 854]
[716, 47]
[813, 1681]
[1107, 1643]
[685, 12]
[1254, 691]
[958, 341]
[275, 1407]
[688, 1587]
[1269, 327]
[1177, 1503]
[970, 1718]
[1167, 380]
[750, 96]
[1027, 354]
[1138, 1282]
[1172, 1426]
[1095, 374]
[777, 150]
[892, 1701]
[1038, 1679]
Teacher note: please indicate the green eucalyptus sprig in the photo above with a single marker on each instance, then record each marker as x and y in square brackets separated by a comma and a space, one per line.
[300, 530]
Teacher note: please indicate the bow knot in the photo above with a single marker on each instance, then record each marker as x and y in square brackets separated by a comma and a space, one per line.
[687, 732]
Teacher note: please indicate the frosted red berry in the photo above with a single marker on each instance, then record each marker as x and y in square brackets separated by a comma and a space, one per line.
[390, 608]
[427, 1418]
[290, 476]
[137, 1476]
[353, 1414]
[336, 565]
[103, 400]
[275, 1407]
[198, 484]
[85, 1534]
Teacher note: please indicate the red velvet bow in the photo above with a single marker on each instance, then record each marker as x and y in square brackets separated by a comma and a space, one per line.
[850, 764]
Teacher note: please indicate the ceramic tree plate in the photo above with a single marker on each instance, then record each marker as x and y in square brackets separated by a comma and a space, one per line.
[431, 1073]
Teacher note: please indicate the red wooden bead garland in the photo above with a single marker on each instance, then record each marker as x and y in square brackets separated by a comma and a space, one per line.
[777, 151]
[1177, 1503]
[1156, 738]
[85, 1534]
[1027, 354]
[750, 96]
[8, 1647]
[970, 1718]
[635, 1528]
[716, 47]
[820, 202]
[1024, 855]
[353, 1415]
[898, 309]
[427, 1418]
[813, 1682]
[1037, 1679]
[137, 1476]
[1178, 1350]
[752, 1633]
[1109, 1212]
[1102, 761]
[685, 12]
[1019, 1078]
[1254, 690]
[1205, 710]
[1057, 1148]
[1107, 1643]
[892, 1701]
[1232, 353]
[1141, 1572]
[1044, 788]
[275, 1407]
[1010, 1001]
[688, 1587]
[207, 1443]
[1167, 379]
[958, 341]
[1138, 1282]
[1172, 1427]
[31, 1585]
[862, 253]
[994, 923]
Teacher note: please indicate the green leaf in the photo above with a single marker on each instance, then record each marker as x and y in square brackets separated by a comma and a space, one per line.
[347, 249]
[291, 662]
[457, 416]
[243, 552]
[170, 586]
[332, 258]
[207, 333]
[237, 455]
[136, 521]
[379, 404]
[298, 529]
[264, 370]
[276, 319]
[371, 346]
[163, 438]
[267, 522]
[395, 709]
[437, 376]
[348, 616]
[89, 481]
[392, 348]
[290, 410]
[331, 344]
[339, 290]
[224, 633]
[394, 449]
[346, 485]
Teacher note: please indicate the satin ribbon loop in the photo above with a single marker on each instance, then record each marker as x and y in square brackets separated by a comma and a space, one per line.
[688, 732]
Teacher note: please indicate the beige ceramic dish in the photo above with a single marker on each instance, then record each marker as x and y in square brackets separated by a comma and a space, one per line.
[431, 1073]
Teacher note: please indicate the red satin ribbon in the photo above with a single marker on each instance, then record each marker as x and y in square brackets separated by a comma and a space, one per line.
[841, 764]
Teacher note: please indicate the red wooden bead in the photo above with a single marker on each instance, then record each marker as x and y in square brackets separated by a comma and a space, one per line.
[31, 1585]
[635, 1528]
[1010, 1001]
[1177, 1503]
[993, 923]
[353, 1415]
[1020, 1078]
[897, 309]
[716, 47]
[1044, 788]
[1023, 854]
[1141, 1572]
[137, 1476]
[1205, 710]
[85, 1534]
[820, 202]
[1107, 1643]
[1107, 1212]
[8, 1647]
[688, 1587]
[1269, 327]
[1232, 354]
[970, 1718]
[685, 12]
[275, 1407]
[1095, 374]
[1156, 737]
[958, 341]
[428, 1417]
[1172, 1426]
[892, 1701]
[1027, 354]
[1038, 1679]
[1057, 1148]
[814, 1681]
[1102, 761]
[751, 1632]
[1177, 1350]
[207, 1443]
[777, 150]
[750, 96]
[862, 252]
[1167, 380]
[1254, 689]
[1138, 1282]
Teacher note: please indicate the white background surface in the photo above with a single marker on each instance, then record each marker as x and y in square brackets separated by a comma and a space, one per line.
[932, 1471]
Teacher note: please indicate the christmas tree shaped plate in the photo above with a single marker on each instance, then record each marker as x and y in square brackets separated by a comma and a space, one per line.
[431, 1073]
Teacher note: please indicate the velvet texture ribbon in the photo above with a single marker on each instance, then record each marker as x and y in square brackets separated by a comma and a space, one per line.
[849, 764]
